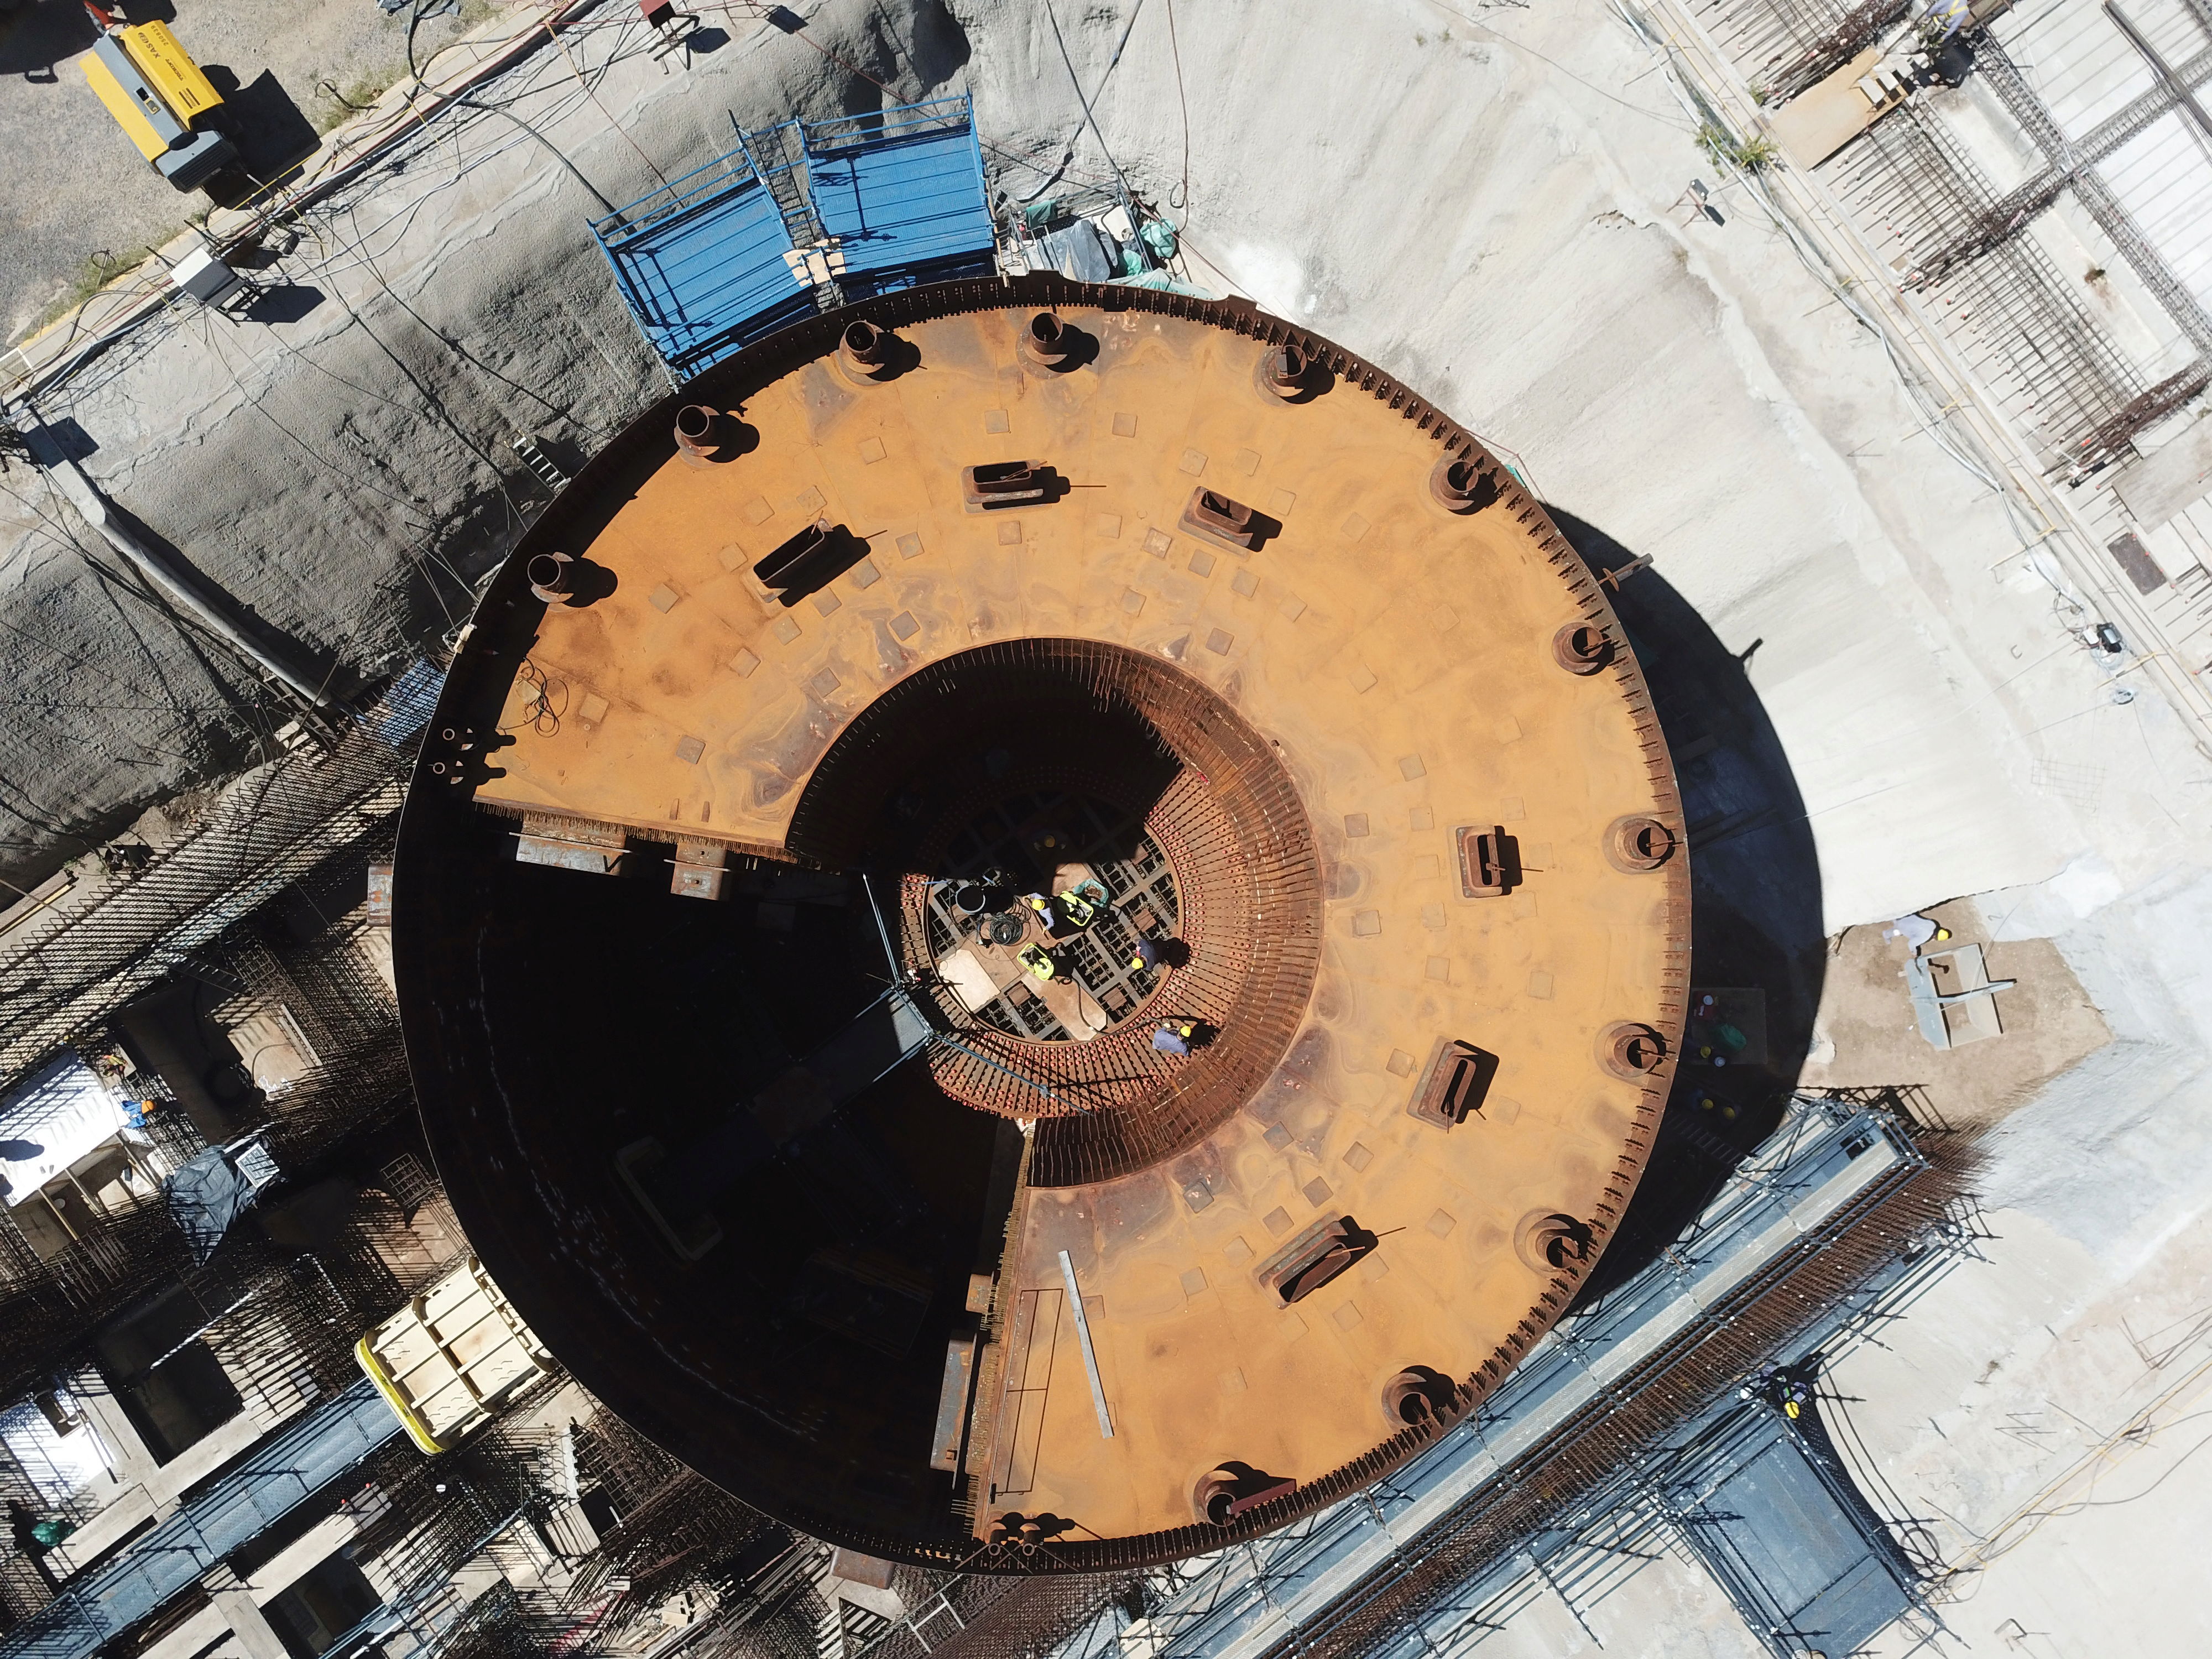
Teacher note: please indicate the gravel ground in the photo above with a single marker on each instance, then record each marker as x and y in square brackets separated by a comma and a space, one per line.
[82, 203]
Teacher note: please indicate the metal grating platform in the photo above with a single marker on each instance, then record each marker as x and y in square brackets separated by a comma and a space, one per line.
[733, 251]
[903, 194]
[701, 263]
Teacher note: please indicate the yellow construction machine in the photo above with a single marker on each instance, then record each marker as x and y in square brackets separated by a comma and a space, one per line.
[159, 97]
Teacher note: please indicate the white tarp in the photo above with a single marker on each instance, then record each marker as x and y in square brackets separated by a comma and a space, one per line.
[59, 1114]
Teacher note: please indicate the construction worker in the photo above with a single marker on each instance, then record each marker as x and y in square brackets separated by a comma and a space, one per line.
[1068, 912]
[1173, 1036]
[1149, 956]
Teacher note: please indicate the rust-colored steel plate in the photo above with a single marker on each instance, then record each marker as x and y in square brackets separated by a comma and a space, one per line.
[1408, 780]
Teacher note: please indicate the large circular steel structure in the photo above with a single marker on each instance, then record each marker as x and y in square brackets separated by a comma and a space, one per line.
[1043, 925]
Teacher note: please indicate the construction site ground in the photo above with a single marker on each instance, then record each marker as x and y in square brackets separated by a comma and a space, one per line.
[82, 207]
[1491, 204]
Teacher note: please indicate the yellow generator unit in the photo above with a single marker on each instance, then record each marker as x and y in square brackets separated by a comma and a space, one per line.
[157, 92]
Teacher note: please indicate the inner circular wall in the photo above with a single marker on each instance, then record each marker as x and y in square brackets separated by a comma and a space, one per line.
[1096, 718]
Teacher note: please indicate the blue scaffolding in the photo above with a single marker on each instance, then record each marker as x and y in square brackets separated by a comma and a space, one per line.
[742, 246]
[902, 193]
[701, 263]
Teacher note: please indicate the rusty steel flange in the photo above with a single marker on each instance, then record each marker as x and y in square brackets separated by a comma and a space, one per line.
[1461, 484]
[698, 432]
[552, 578]
[1550, 1241]
[1632, 1052]
[863, 350]
[1582, 648]
[1636, 844]
[1283, 371]
[1049, 344]
[1419, 1394]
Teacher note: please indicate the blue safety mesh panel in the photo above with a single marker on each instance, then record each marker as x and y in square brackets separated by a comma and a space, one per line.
[903, 192]
[701, 263]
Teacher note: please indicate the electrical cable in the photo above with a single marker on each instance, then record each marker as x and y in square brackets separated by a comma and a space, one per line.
[1176, 47]
[1052, 18]
[368, 264]
[592, 93]
[1068, 156]
[436, 403]
[553, 149]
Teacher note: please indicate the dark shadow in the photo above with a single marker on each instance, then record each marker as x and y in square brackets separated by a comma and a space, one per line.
[810, 562]
[1203, 1033]
[1755, 919]
[1264, 530]
[33, 38]
[938, 47]
[258, 255]
[1041, 486]
[271, 134]
[317, 666]
[589, 582]
[287, 304]
[72, 440]
[1317, 381]
[738, 439]
[564, 453]
[893, 355]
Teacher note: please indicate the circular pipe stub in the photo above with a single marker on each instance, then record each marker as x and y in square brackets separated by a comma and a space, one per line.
[1047, 344]
[1282, 370]
[1461, 484]
[1630, 1051]
[1638, 844]
[867, 355]
[698, 431]
[552, 577]
[1582, 647]
[1550, 1241]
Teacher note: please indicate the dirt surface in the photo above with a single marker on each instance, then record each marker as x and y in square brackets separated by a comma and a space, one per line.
[82, 204]
[1869, 1038]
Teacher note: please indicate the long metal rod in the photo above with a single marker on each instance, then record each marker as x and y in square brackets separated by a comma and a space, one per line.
[1090, 1355]
[178, 586]
[2184, 97]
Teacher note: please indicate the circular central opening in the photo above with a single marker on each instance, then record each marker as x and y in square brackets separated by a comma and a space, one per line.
[1107, 899]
